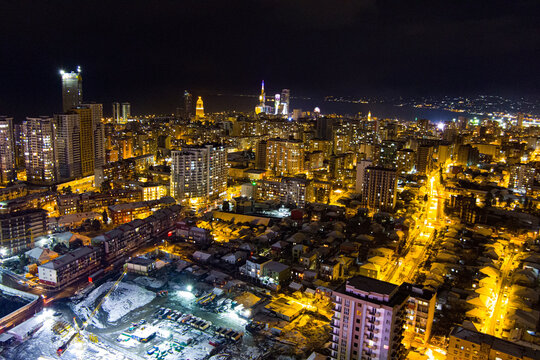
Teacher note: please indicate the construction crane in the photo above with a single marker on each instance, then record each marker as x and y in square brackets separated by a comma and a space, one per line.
[65, 345]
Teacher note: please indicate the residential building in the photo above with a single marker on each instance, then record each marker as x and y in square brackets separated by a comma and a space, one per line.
[7, 151]
[361, 166]
[420, 313]
[199, 173]
[68, 145]
[86, 139]
[253, 267]
[18, 230]
[469, 344]
[424, 158]
[70, 267]
[380, 187]
[98, 129]
[40, 151]
[275, 274]
[368, 321]
[285, 157]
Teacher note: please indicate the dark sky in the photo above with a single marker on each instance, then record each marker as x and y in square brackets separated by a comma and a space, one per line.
[147, 52]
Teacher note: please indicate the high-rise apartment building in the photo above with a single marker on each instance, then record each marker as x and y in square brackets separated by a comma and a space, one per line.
[41, 159]
[86, 140]
[361, 166]
[406, 160]
[7, 151]
[126, 111]
[373, 317]
[71, 89]
[98, 129]
[380, 187]
[68, 145]
[420, 313]
[369, 319]
[199, 108]
[522, 177]
[116, 112]
[188, 105]
[424, 158]
[199, 173]
[18, 230]
[285, 156]
[260, 155]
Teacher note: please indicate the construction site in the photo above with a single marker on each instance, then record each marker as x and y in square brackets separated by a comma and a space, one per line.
[173, 316]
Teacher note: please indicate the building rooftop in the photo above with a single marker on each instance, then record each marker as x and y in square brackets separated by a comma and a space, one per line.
[368, 284]
[275, 266]
[141, 261]
[71, 256]
[496, 344]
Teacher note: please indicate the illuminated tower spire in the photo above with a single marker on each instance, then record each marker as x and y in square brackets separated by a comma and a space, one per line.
[199, 108]
[262, 97]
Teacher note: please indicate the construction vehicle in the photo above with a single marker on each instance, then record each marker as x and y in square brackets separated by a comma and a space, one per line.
[79, 330]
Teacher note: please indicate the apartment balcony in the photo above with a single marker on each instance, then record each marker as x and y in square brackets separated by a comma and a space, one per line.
[398, 337]
[372, 347]
[337, 307]
[335, 324]
[371, 337]
[370, 328]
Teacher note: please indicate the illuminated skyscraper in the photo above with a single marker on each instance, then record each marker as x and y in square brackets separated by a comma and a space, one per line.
[199, 173]
[126, 111]
[7, 151]
[98, 129]
[116, 112]
[41, 158]
[71, 89]
[379, 189]
[285, 98]
[86, 140]
[188, 105]
[261, 108]
[285, 157]
[68, 145]
[199, 109]
[277, 104]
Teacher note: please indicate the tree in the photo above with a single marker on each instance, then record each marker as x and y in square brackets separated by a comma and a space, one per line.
[105, 217]
[226, 206]
[96, 225]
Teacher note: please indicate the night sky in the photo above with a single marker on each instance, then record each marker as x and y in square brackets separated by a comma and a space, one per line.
[148, 52]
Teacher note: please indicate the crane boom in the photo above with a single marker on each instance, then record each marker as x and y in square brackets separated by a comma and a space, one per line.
[64, 346]
[96, 309]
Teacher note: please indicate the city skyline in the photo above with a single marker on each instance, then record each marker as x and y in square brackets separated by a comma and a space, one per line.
[270, 180]
[365, 48]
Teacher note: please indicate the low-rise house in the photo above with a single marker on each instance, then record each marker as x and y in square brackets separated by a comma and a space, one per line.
[253, 266]
[141, 266]
[275, 274]
[40, 255]
[201, 256]
[279, 248]
[298, 250]
[235, 258]
[309, 260]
